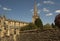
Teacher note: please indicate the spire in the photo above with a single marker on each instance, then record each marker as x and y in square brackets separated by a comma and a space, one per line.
[35, 15]
[35, 8]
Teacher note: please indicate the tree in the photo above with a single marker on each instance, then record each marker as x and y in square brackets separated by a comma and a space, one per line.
[47, 26]
[39, 23]
[53, 26]
[57, 21]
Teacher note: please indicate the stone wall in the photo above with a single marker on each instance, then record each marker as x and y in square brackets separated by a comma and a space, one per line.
[48, 35]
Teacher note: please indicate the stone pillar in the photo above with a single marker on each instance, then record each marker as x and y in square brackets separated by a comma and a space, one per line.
[8, 30]
[2, 32]
[12, 31]
[17, 31]
[8, 33]
[3, 26]
[14, 37]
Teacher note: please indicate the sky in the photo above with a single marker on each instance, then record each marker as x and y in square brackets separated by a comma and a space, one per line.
[22, 10]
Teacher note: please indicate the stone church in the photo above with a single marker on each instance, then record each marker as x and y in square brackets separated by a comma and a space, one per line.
[12, 27]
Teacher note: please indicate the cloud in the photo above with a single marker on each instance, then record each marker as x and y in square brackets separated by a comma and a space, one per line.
[50, 14]
[57, 11]
[32, 10]
[7, 9]
[38, 4]
[45, 10]
[39, 11]
[48, 2]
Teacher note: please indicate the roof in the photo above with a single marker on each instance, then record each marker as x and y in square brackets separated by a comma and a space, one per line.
[17, 21]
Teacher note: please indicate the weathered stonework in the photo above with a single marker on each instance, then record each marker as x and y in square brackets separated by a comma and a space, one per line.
[47, 35]
[8, 27]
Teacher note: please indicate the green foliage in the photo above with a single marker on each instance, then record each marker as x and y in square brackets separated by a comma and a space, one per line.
[47, 26]
[53, 26]
[38, 23]
[28, 27]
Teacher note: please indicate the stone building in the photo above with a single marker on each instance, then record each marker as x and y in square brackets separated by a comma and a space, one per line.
[12, 27]
[9, 26]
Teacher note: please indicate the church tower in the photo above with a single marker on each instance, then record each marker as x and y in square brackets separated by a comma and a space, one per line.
[35, 14]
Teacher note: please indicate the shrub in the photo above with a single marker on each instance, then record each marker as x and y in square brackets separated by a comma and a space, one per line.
[28, 27]
[39, 23]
